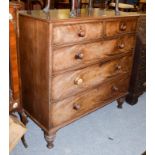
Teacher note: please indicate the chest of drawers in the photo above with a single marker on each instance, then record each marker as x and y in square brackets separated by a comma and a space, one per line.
[70, 67]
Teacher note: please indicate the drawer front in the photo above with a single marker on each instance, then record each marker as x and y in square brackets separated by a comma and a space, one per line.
[70, 83]
[77, 32]
[73, 107]
[118, 27]
[81, 55]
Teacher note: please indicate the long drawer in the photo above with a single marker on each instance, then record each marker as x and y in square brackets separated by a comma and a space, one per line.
[116, 27]
[71, 33]
[76, 106]
[83, 54]
[67, 84]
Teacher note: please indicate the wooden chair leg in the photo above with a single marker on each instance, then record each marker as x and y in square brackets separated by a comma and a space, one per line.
[24, 142]
[24, 120]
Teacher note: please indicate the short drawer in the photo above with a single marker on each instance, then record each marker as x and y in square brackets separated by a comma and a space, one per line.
[116, 27]
[70, 83]
[76, 106]
[83, 54]
[77, 32]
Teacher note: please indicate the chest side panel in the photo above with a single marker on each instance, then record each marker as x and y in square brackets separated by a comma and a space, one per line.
[34, 40]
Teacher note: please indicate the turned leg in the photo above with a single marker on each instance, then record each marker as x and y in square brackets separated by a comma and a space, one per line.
[24, 120]
[120, 102]
[50, 139]
[131, 99]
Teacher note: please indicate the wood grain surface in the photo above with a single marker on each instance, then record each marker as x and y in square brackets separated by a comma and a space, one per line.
[13, 63]
[77, 32]
[70, 83]
[34, 67]
[116, 27]
[68, 57]
[75, 106]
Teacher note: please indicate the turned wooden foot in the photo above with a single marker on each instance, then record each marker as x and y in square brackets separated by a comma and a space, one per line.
[120, 102]
[24, 141]
[132, 99]
[50, 139]
[24, 120]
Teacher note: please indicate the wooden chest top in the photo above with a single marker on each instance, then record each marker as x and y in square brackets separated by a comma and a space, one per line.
[62, 15]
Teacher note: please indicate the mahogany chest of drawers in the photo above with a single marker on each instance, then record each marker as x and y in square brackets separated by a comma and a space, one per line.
[70, 67]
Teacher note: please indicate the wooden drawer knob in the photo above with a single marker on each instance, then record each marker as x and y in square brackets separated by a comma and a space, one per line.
[78, 81]
[81, 33]
[121, 46]
[76, 106]
[15, 105]
[118, 67]
[79, 56]
[114, 88]
[123, 26]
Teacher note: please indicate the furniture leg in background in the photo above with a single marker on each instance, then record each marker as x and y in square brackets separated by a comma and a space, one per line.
[24, 120]
[138, 75]
[120, 102]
